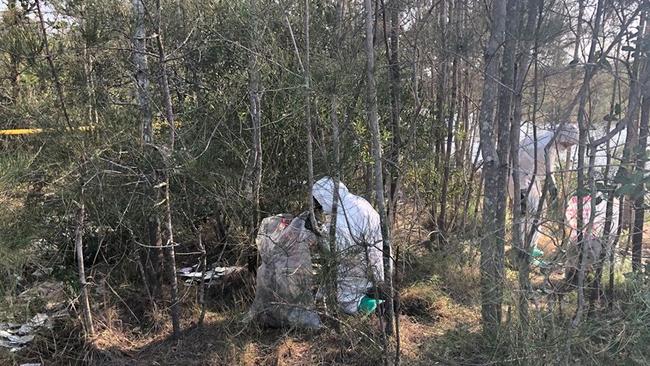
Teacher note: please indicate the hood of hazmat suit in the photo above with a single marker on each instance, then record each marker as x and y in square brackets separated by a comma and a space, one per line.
[358, 243]
[532, 161]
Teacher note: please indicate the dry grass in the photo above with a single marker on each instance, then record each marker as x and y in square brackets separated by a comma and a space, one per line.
[439, 324]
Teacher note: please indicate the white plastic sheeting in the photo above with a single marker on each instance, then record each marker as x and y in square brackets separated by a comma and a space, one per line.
[210, 276]
[358, 243]
[16, 336]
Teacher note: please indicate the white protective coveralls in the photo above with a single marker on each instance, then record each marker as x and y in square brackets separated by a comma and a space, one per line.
[529, 171]
[358, 243]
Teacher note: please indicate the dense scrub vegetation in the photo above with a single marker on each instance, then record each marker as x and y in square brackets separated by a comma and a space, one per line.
[141, 137]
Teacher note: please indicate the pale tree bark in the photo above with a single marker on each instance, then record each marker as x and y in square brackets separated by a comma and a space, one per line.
[609, 210]
[168, 157]
[203, 269]
[395, 157]
[440, 114]
[639, 197]
[152, 259]
[491, 246]
[79, 249]
[373, 121]
[255, 110]
[640, 153]
[93, 116]
[308, 123]
[142, 71]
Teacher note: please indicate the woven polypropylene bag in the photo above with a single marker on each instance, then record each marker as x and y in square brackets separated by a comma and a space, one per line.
[283, 295]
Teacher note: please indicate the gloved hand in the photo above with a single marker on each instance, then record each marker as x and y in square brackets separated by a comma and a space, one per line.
[552, 192]
[368, 305]
[306, 217]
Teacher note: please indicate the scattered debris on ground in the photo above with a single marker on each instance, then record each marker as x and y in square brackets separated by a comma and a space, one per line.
[16, 336]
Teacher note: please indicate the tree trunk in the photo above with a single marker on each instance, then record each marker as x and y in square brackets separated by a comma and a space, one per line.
[639, 197]
[79, 248]
[395, 108]
[504, 108]
[640, 157]
[332, 263]
[142, 71]
[152, 259]
[491, 245]
[582, 145]
[203, 268]
[308, 123]
[440, 114]
[631, 139]
[167, 156]
[576, 46]
[518, 233]
[450, 116]
[373, 121]
[255, 109]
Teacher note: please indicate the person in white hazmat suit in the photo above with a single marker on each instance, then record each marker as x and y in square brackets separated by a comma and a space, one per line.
[358, 243]
[532, 170]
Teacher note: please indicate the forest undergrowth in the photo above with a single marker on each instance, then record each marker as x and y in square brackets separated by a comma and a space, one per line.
[439, 323]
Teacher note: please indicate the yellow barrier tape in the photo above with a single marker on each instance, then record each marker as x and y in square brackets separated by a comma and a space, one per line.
[31, 131]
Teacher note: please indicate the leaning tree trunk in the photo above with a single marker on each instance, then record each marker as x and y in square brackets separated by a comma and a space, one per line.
[373, 121]
[79, 248]
[492, 276]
